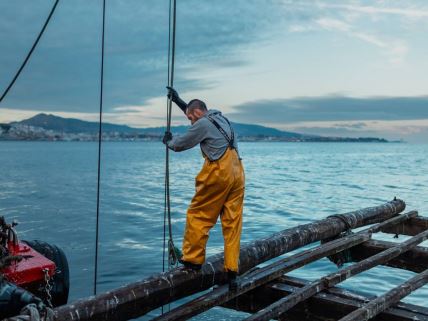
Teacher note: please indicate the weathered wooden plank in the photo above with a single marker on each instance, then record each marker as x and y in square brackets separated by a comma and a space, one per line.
[279, 307]
[411, 227]
[375, 260]
[385, 301]
[261, 276]
[415, 260]
[331, 304]
[399, 311]
[327, 306]
[338, 259]
[397, 220]
[136, 299]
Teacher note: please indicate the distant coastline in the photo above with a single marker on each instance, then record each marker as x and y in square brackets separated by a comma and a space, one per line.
[43, 127]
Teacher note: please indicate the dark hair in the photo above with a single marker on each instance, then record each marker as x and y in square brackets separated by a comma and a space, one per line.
[196, 104]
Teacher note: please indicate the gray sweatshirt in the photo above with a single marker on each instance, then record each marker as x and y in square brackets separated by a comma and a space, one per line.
[204, 132]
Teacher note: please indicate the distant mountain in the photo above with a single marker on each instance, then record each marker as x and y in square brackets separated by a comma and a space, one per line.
[70, 125]
[257, 130]
[242, 130]
[52, 128]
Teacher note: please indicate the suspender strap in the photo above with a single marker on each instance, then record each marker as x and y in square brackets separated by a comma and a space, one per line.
[230, 140]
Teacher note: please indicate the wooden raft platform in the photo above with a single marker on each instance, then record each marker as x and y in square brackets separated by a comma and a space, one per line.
[268, 293]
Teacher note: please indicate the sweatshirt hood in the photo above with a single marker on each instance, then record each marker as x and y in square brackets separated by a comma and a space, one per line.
[213, 112]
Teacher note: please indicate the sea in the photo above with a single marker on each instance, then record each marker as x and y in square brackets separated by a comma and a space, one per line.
[50, 188]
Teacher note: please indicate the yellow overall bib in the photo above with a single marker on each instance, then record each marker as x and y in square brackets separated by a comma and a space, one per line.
[219, 191]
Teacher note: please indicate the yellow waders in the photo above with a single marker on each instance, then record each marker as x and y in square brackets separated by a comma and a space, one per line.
[219, 191]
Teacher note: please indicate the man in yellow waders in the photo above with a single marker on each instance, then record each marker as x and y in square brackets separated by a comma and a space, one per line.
[219, 185]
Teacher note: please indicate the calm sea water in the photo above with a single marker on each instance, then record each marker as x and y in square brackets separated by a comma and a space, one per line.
[51, 189]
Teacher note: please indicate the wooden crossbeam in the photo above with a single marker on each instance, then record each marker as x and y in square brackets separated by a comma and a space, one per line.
[138, 298]
[415, 260]
[410, 227]
[261, 276]
[390, 222]
[279, 307]
[387, 300]
[331, 304]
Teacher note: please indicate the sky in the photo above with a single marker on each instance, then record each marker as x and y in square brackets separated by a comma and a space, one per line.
[335, 68]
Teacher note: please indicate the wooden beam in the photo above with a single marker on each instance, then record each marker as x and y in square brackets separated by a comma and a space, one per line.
[281, 306]
[412, 227]
[415, 260]
[331, 304]
[261, 276]
[375, 260]
[138, 298]
[399, 219]
[385, 301]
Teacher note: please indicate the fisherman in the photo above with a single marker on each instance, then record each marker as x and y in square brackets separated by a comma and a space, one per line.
[219, 185]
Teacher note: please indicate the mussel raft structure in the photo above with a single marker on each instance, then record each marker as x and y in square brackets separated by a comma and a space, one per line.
[268, 293]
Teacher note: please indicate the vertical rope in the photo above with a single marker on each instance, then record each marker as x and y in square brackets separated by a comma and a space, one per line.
[167, 160]
[99, 149]
[171, 63]
[171, 78]
[167, 201]
[30, 52]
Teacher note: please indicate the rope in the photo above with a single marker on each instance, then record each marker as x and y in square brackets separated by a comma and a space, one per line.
[165, 215]
[172, 253]
[344, 219]
[344, 256]
[99, 148]
[172, 256]
[32, 312]
[30, 52]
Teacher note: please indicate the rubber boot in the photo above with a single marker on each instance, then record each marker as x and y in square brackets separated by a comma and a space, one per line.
[190, 266]
[232, 279]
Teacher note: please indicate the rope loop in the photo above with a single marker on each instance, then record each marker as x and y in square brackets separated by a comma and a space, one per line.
[33, 312]
[344, 256]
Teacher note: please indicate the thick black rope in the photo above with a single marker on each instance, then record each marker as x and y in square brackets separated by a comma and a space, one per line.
[167, 113]
[172, 256]
[30, 52]
[167, 207]
[344, 256]
[99, 148]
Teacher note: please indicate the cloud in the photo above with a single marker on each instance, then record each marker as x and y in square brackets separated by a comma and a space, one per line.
[404, 9]
[339, 131]
[218, 46]
[333, 24]
[357, 125]
[396, 50]
[332, 108]
[408, 130]
[373, 24]
[63, 72]
[381, 10]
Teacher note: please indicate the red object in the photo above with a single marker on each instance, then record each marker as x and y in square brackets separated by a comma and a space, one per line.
[29, 270]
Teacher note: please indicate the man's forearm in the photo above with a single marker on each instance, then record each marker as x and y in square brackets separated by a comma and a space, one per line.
[179, 144]
[181, 103]
[194, 135]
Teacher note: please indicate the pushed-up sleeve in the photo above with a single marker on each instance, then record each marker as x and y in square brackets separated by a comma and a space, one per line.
[194, 135]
